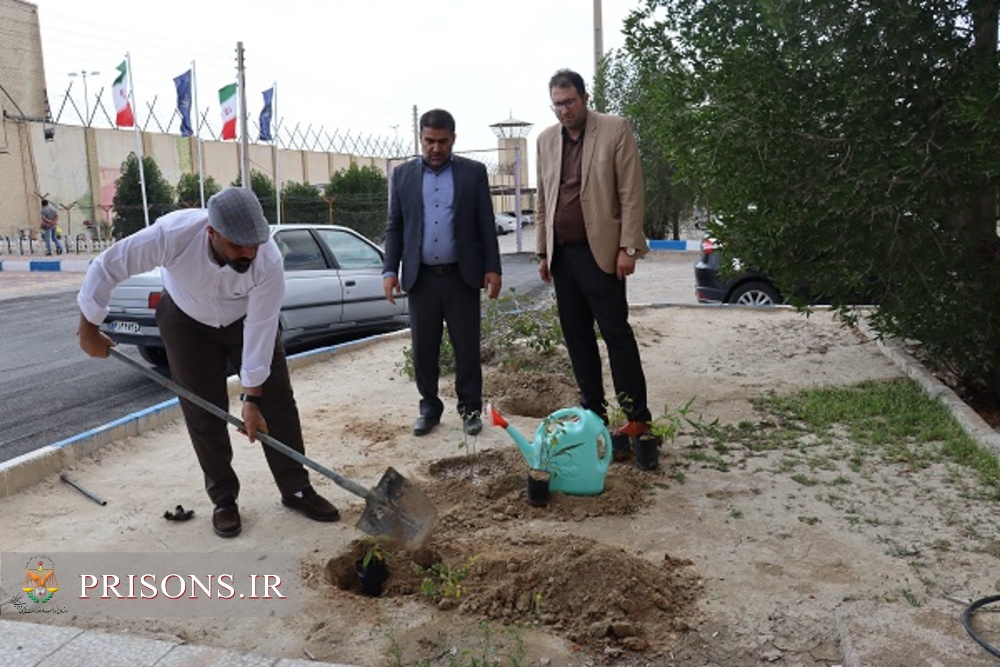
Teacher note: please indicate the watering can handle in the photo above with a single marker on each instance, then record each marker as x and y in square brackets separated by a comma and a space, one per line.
[580, 413]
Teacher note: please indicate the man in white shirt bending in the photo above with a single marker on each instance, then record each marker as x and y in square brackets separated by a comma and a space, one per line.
[223, 287]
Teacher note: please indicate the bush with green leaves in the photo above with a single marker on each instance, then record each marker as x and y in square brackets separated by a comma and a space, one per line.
[849, 147]
[189, 190]
[263, 187]
[303, 203]
[128, 212]
[359, 200]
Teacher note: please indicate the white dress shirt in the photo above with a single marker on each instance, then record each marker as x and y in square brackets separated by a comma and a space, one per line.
[211, 294]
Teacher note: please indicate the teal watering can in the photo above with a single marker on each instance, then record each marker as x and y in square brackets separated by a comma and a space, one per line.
[566, 446]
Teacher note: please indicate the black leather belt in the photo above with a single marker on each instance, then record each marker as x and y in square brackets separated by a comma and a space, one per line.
[440, 268]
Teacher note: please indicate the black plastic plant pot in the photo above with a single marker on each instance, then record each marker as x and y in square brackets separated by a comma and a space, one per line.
[373, 577]
[647, 452]
[621, 447]
[538, 487]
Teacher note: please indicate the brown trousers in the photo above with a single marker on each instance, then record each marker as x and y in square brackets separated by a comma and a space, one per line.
[198, 355]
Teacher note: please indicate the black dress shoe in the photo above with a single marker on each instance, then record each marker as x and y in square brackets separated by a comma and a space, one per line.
[424, 424]
[472, 424]
[226, 520]
[311, 504]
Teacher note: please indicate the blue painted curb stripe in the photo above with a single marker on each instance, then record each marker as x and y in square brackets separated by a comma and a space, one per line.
[674, 245]
[45, 265]
[159, 407]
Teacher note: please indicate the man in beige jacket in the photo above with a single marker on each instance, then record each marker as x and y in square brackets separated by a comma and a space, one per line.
[589, 227]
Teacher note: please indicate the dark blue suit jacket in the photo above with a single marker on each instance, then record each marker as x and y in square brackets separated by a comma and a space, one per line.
[475, 226]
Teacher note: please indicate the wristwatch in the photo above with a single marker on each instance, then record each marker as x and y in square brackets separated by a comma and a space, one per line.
[247, 398]
[630, 251]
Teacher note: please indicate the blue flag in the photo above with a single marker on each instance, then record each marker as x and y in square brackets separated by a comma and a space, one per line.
[183, 84]
[265, 116]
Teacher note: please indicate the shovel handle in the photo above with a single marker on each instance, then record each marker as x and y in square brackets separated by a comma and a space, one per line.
[341, 481]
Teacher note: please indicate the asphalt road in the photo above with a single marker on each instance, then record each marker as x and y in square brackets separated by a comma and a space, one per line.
[52, 391]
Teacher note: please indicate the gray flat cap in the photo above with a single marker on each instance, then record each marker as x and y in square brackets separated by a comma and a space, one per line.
[236, 214]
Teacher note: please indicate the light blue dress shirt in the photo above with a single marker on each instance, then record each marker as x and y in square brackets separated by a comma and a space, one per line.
[438, 243]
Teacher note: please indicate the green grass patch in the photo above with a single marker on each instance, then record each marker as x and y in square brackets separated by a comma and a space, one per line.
[892, 419]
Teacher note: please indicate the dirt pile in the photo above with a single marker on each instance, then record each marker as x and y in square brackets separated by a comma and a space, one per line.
[589, 593]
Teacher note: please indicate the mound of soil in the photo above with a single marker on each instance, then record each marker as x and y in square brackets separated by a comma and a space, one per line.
[589, 593]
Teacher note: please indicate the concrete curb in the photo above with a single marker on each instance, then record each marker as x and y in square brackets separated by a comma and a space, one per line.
[30, 468]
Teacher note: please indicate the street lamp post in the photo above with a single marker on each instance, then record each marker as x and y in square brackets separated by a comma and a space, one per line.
[86, 99]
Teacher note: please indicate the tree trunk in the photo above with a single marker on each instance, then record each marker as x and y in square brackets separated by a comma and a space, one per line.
[984, 20]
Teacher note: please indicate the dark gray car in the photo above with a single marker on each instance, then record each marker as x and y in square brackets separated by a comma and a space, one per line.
[333, 285]
[741, 286]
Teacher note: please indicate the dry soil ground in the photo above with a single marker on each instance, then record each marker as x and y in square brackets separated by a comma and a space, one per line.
[720, 557]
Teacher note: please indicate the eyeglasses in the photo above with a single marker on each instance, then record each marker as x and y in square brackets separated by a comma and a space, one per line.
[564, 104]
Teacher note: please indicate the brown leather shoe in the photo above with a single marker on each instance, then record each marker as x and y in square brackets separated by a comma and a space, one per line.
[226, 520]
[311, 504]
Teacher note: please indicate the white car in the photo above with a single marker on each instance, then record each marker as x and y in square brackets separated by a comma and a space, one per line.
[333, 285]
[527, 216]
[505, 223]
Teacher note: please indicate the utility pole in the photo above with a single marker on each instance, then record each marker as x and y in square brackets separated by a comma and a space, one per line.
[598, 49]
[598, 36]
[245, 138]
[416, 132]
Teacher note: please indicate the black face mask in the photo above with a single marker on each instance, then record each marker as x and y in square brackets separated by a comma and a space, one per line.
[241, 265]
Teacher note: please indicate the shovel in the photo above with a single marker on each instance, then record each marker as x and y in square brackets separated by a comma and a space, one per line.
[395, 508]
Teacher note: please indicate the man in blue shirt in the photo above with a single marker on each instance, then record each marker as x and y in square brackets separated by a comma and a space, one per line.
[441, 228]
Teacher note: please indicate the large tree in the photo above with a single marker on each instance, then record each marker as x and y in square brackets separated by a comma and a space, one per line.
[626, 86]
[848, 145]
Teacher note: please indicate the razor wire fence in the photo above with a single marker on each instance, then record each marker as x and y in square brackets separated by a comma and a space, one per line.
[287, 134]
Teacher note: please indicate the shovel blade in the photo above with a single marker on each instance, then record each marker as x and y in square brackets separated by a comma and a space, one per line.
[398, 509]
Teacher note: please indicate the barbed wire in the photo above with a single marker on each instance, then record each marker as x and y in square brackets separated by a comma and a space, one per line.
[285, 134]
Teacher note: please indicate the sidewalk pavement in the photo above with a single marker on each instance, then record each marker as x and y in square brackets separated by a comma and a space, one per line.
[24, 644]
[68, 262]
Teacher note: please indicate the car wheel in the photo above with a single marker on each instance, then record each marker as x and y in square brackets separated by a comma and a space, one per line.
[755, 293]
[154, 355]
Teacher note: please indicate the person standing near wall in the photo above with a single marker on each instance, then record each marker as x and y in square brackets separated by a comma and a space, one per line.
[50, 218]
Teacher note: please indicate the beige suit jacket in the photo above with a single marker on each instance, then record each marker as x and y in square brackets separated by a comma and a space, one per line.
[611, 190]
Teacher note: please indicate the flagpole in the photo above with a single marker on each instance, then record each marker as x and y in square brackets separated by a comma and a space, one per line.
[197, 134]
[138, 138]
[277, 154]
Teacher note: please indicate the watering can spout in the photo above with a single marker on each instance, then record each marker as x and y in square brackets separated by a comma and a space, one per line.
[527, 448]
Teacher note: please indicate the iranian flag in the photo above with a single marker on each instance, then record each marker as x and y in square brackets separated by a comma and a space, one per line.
[227, 100]
[123, 108]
